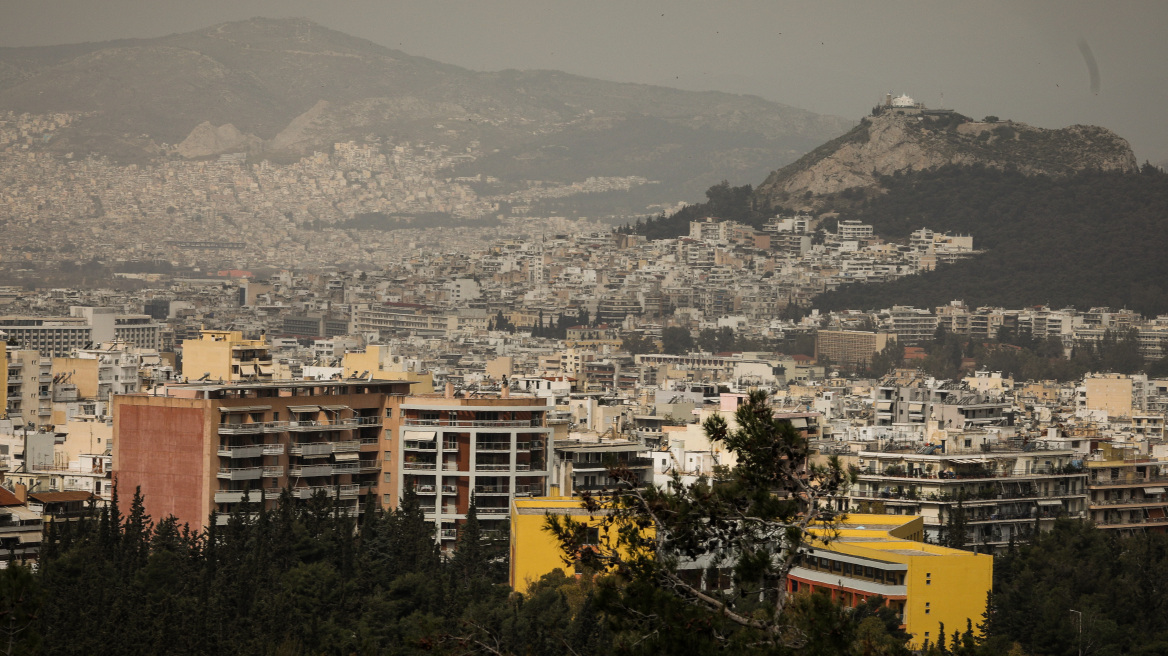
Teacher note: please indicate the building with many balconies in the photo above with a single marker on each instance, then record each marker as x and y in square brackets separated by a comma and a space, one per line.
[454, 448]
[224, 356]
[1127, 490]
[200, 451]
[1004, 491]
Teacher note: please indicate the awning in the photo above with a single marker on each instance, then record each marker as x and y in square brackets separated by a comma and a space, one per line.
[304, 408]
[798, 422]
[1153, 490]
[1049, 502]
[266, 369]
[421, 436]
[335, 407]
[347, 456]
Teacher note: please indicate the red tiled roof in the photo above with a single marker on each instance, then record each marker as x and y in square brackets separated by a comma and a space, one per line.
[60, 497]
[8, 499]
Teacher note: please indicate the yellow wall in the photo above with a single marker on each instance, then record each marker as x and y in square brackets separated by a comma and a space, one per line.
[375, 359]
[1112, 393]
[953, 582]
[534, 551]
[211, 353]
[84, 374]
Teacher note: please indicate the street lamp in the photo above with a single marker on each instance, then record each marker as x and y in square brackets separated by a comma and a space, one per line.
[1080, 614]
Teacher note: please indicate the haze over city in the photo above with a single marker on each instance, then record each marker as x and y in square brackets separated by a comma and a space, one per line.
[1017, 59]
[640, 328]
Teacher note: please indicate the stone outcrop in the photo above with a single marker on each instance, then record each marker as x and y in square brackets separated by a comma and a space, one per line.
[206, 140]
[890, 143]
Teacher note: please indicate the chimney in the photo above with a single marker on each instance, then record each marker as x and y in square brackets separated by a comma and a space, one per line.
[449, 390]
[21, 492]
[505, 391]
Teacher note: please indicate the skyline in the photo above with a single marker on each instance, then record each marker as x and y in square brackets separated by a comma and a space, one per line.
[837, 59]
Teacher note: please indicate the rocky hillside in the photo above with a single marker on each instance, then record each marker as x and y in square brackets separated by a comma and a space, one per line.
[283, 88]
[891, 143]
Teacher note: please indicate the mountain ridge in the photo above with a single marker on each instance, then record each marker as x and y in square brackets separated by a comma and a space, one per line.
[140, 98]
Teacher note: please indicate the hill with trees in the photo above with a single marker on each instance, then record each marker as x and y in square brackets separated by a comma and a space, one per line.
[1091, 239]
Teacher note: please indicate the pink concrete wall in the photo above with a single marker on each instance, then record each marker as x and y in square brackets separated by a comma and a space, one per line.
[162, 450]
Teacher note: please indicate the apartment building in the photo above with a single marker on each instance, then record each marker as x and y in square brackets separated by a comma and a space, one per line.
[947, 409]
[1005, 492]
[225, 356]
[850, 347]
[85, 326]
[453, 448]
[199, 450]
[1127, 490]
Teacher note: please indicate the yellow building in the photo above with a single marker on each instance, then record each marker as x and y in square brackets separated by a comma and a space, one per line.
[224, 355]
[885, 555]
[850, 347]
[873, 555]
[534, 551]
[377, 361]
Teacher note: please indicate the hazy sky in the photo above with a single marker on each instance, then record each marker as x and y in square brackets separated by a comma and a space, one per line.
[1013, 58]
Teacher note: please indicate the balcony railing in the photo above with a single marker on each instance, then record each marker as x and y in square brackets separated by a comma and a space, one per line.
[448, 533]
[492, 489]
[1158, 481]
[303, 471]
[967, 476]
[424, 489]
[248, 451]
[245, 428]
[490, 466]
[347, 446]
[492, 510]
[412, 445]
[273, 449]
[240, 473]
[420, 465]
[475, 423]
[273, 471]
[366, 421]
[311, 448]
[449, 489]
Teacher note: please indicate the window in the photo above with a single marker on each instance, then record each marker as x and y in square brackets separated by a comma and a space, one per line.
[593, 535]
[387, 477]
[389, 413]
[275, 415]
[928, 608]
[385, 499]
[928, 578]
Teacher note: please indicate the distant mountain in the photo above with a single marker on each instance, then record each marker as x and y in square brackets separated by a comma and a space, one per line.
[282, 88]
[894, 142]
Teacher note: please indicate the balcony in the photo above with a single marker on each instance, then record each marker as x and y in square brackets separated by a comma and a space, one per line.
[1151, 481]
[346, 468]
[366, 421]
[348, 446]
[273, 449]
[240, 473]
[431, 466]
[305, 471]
[316, 426]
[492, 489]
[448, 534]
[311, 448]
[237, 496]
[273, 471]
[493, 510]
[15, 380]
[494, 446]
[449, 489]
[493, 466]
[425, 489]
[518, 423]
[249, 451]
[245, 428]
[368, 467]
[413, 445]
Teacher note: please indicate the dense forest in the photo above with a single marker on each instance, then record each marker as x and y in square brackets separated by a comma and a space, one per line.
[306, 580]
[1093, 239]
